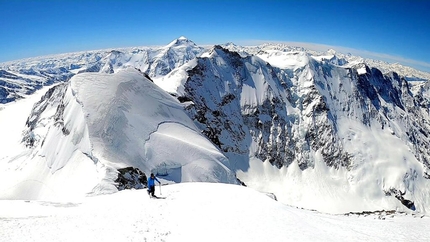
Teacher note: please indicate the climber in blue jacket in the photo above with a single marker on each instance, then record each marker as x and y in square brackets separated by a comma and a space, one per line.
[151, 184]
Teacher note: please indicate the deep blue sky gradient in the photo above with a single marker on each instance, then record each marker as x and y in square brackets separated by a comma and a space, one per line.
[396, 28]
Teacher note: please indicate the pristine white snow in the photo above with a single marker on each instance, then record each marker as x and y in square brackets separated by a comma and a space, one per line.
[12, 121]
[196, 212]
[175, 80]
[285, 60]
[114, 121]
[63, 190]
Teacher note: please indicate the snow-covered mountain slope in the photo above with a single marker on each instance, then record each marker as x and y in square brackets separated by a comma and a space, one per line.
[80, 132]
[334, 57]
[23, 77]
[175, 54]
[304, 125]
[197, 212]
[344, 134]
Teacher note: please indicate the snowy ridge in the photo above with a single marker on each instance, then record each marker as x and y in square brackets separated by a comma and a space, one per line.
[77, 131]
[303, 125]
[337, 58]
[23, 77]
[312, 119]
[196, 212]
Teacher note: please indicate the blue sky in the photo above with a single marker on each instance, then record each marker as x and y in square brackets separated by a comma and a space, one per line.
[396, 31]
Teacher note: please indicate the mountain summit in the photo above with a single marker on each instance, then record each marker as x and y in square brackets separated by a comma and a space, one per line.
[181, 41]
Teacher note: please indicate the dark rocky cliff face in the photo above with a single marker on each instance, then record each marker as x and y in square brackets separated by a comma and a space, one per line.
[131, 178]
[217, 92]
[417, 112]
[53, 98]
[290, 119]
[14, 87]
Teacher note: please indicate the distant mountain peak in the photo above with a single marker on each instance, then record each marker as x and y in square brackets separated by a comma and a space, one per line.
[181, 41]
[219, 51]
[331, 52]
[230, 44]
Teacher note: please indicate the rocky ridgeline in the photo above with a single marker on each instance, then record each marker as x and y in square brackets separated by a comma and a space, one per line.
[131, 178]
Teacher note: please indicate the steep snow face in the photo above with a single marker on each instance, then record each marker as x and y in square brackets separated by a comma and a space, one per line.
[175, 54]
[40, 171]
[131, 118]
[156, 62]
[224, 89]
[99, 122]
[278, 107]
[323, 128]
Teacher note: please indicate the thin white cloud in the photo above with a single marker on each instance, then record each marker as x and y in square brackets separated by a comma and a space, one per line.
[421, 65]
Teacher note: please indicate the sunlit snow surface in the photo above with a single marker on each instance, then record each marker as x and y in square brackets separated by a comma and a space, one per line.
[61, 190]
[196, 212]
[111, 121]
[381, 160]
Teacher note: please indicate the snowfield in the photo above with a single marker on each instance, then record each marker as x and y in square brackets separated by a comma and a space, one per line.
[329, 150]
[196, 212]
